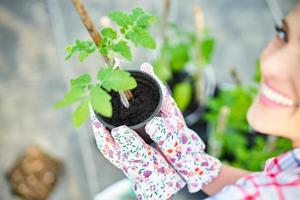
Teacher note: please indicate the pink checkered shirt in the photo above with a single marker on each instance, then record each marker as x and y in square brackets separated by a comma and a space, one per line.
[280, 180]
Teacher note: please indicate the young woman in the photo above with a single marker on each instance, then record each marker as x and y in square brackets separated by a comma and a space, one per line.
[181, 159]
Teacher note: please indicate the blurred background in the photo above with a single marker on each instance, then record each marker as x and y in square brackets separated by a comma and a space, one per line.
[34, 75]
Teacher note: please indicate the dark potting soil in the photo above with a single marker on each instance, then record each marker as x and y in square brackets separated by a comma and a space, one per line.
[144, 102]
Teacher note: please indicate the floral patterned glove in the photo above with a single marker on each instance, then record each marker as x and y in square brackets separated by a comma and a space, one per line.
[152, 176]
[182, 147]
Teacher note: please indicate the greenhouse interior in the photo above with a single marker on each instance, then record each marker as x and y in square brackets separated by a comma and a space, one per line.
[149, 100]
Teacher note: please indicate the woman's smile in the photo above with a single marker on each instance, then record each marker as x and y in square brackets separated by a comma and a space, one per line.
[271, 97]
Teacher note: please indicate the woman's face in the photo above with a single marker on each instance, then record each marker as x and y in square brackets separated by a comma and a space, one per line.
[276, 109]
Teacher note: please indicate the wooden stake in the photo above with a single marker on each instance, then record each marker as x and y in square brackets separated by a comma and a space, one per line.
[89, 25]
[199, 19]
[165, 17]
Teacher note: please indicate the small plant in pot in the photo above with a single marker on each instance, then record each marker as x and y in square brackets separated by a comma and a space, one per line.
[118, 97]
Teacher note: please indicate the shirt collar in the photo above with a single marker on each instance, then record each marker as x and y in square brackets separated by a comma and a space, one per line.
[288, 160]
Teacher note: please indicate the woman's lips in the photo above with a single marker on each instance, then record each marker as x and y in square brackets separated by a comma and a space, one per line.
[271, 98]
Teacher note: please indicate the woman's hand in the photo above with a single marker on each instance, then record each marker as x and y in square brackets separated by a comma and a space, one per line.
[152, 176]
[182, 147]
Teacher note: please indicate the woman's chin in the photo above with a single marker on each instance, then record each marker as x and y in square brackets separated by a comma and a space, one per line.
[265, 120]
[255, 121]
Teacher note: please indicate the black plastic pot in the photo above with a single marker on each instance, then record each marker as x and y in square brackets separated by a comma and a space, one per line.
[145, 105]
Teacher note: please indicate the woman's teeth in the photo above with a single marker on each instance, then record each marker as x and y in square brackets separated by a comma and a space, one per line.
[276, 97]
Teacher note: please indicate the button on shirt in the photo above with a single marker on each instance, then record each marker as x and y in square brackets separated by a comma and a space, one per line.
[280, 180]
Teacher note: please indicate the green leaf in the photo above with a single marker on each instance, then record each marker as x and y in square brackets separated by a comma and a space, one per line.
[207, 48]
[142, 37]
[140, 18]
[104, 73]
[104, 46]
[100, 101]
[81, 81]
[83, 55]
[118, 80]
[179, 56]
[136, 13]
[162, 69]
[81, 113]
[109, 33]
[183, 94]
[72, 96]
[123, 48]
[120, 18]
[257, 75]
[82, 48]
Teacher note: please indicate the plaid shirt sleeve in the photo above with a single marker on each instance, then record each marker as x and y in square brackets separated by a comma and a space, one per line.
[280, 180]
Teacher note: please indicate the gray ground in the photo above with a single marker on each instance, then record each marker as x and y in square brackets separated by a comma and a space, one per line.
[33, 34]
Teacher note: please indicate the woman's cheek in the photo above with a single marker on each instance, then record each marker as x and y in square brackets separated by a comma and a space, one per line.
[271, 48]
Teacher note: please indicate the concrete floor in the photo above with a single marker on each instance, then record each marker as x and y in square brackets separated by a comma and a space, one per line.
[33, 35]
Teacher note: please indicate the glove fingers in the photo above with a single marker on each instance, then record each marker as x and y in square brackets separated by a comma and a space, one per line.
[159, 128]
[148, 68]
[129, 142]
[102, 135]
[138, 157]
[195, 144]
[104, 140]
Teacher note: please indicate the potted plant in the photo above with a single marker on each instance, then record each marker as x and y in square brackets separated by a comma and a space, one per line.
[183, 62]
[117, 96]
[231, 138]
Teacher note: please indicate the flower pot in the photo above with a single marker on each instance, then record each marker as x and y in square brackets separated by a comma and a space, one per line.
[146, 103]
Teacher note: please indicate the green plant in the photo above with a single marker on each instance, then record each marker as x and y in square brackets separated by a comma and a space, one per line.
[178, 50]
[132, 28]
[231, 137]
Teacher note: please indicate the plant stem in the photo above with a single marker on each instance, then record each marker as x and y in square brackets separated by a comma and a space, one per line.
[165, 16]
[89, 25]
[86, 20]
[235, 76]
[223, 119]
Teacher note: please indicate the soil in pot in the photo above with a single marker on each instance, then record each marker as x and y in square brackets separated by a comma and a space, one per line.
[144, 106]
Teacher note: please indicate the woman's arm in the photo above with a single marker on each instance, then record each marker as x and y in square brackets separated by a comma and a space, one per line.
[227, 176]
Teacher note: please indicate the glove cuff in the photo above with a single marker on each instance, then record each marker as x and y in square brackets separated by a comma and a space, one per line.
[207, 169]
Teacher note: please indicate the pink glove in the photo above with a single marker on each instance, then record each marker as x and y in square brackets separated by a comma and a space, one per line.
[152, 176]
[182, 147]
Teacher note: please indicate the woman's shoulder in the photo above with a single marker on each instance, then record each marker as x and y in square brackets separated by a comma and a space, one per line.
[280, 180]
[286, 161]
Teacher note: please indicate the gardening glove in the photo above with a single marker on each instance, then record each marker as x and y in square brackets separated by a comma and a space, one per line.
[153, 178]
[182, 147]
